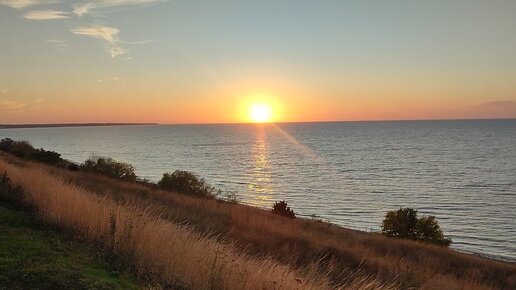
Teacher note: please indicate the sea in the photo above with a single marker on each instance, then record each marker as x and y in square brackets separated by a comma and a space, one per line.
[463, 172]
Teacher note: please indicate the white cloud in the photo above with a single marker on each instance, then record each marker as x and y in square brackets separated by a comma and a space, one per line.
[11, 106]
[116, 78]
[47, 15]
[19, 4]
[98, 31]
[106, 33]
[116, 50]
[94, 6]
[38, 100]
[5, 91]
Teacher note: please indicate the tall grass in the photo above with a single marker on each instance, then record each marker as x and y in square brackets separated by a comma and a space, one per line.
[299, 242]
[155, 246]
[355, 259]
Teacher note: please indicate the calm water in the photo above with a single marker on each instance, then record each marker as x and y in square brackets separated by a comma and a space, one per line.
[463, 172]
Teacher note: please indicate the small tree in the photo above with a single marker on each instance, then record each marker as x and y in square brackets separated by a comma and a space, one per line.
[282, 208]
[428, 230]
[186, 182]
[48, 157]
[400, 223]
[405, 224]
[109, 167]
[22, 149]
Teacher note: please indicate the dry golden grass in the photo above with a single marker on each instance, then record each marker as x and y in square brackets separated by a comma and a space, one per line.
[345, 256]
[155, 246]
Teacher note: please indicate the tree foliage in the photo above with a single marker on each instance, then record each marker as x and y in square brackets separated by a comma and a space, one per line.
[282, 208]
[405, 224]
[109, 167]
[186, 182]
[25, 150]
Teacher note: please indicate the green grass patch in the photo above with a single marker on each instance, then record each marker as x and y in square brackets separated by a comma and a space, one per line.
[35, 257]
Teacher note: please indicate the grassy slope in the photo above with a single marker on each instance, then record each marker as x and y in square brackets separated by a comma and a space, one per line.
[33, 257]
[300, 242]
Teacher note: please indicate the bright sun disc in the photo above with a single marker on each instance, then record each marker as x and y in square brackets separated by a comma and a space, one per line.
[260, 113]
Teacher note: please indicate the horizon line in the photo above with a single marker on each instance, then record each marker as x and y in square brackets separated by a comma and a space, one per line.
[92, 124]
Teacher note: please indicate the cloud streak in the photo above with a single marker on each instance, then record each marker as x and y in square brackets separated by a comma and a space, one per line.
[106, 33]
[20, 4]
[47, 15]
[94, 6]
[98, 31]
[59, 44]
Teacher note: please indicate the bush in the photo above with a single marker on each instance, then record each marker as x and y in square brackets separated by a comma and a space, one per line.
[404, 224]
[22, 149]
[109, 167]
[428, 230]
[188, 183]
[6, 145]
[401, 223]
[282, 208]
[48, 157]
[9, 192]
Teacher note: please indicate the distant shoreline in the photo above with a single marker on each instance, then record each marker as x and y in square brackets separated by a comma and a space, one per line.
[22, 126]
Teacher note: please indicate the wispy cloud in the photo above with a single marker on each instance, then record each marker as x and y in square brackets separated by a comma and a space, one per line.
[95, 6]
[106, 33]
[139, 41]
[98, 31]
[116, 50]
[19, 4]
[47, 15]
[59, 44]
[11, 106]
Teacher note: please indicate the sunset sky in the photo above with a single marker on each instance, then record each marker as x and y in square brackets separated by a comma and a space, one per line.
[208, 61]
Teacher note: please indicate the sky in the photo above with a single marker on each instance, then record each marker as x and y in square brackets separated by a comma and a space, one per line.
[208, 61]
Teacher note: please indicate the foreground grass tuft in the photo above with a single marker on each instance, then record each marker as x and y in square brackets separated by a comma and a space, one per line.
[33, 257]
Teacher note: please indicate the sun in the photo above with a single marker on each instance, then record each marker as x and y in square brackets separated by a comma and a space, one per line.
[260, 113]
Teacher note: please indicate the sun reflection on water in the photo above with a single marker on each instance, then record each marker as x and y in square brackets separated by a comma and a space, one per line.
[260, 187]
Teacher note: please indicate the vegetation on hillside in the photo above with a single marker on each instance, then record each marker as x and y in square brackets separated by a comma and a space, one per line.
[110, 168]
[24, 149]
[282, 208]
[139, 237]
[405, 224]
[337, 255]
[34, 256]
[185, 182]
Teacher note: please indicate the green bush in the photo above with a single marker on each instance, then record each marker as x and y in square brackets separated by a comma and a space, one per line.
[401, 223]
[109, 167]
[6, 145]
[405, 224]
[188, 183]
[428, 230]
[282, 208]
[48, 157]
[25, 150]
[22, 149]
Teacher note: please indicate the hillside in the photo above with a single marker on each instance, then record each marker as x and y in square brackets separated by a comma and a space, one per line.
[209, 243]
